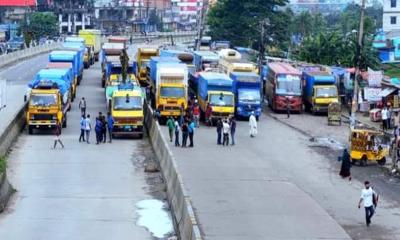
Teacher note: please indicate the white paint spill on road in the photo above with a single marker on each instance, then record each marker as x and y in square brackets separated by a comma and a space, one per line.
[326, 142]
[154, 217]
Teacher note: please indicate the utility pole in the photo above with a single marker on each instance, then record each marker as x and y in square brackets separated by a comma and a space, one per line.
[200, 23]
[358, 63]
[261, 55]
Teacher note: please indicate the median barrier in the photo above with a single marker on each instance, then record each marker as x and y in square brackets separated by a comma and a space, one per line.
[5, 191]
[178, 198]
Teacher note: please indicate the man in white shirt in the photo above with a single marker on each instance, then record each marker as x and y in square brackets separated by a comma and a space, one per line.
[367, 196]
[384, 114]
[88, 128]
[225, 130]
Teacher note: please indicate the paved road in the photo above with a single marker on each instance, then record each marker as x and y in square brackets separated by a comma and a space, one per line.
[84, 191]
[275, 186]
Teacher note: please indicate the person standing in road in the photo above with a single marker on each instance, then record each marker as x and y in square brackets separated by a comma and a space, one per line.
[82, 106]
[233, 129]
[57, 132]
[208, 114]
[226, 130]
[191, 128]
[196, 114]
[384, 118]
[396, 120]
[219, 131]
[88, 128]
[346, 165]
[368, 197]
[253, 125]
[104, 130]
[99, 130]
[288, 107]
[176, 133]
[110, 125]
[185, 130]
[171, 127]
[82, 123]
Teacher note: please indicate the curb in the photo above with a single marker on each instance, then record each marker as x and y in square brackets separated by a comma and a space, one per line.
[6, 191]
[179, 199]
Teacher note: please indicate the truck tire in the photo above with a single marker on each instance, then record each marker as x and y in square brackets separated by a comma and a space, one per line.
[382, 161]
[30, 130]
[140, 135]
[64, 124]
[363, 161]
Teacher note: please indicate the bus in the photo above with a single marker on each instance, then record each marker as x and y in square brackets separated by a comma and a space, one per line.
[283, 87]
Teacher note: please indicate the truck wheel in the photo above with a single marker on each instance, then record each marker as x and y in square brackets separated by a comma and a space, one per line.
[30, 130]
[353, 161]
[382, 161]
[363, 161]
[64, 124]
[103, 83]
[141, 136]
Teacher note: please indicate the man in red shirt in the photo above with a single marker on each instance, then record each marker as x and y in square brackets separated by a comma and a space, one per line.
[196, 114]
[208, 114]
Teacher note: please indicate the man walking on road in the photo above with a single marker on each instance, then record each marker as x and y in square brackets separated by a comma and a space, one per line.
[219, 131]
[176, 133]
[196, 114]
[110, 125]
[384, 118]
[253, 125]
[288, 107]
[185, 130]
[82, 123]
[88, 128]
[191, 133]
[233, 129]
[368, 196]
[226, 130]
[57, 132]
[82, 106]
[171, 127]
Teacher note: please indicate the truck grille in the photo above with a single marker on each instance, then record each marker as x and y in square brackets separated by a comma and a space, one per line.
[127, 120]
[172, 108]
[43, 117]
[217, 114]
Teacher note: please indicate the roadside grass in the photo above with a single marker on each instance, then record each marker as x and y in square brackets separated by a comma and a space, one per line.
[2, 164]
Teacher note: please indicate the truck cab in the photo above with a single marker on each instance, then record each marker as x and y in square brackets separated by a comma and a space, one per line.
[170, 88]
[320, 90]
[216, 89]
[127, 110]
[247, 89]
[143, 59]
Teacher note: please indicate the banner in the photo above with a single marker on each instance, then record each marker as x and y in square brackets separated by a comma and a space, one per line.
[372, 94]
[374, 78]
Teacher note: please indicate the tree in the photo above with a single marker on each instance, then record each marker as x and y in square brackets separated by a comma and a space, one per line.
[40, 24]
[239, 21]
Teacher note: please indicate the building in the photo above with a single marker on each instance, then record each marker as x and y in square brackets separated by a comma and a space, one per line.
[73, 15]
[15, 10]
[391, 15]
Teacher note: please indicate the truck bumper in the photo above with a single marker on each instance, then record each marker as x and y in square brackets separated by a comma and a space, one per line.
[243, 111]
[42, 124]
[170, 113]
[320, 108]
[128, 129]
[216, 115]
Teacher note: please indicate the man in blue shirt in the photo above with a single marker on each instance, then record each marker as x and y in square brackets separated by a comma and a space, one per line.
[191, 133]
[110, 125]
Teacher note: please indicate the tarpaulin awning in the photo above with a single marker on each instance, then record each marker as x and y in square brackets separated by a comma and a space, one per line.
[387, 91]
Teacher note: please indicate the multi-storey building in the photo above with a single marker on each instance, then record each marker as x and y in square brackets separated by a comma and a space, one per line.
[391, 15]
[73, 15]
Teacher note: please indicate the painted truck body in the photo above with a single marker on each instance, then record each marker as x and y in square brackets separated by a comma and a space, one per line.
[247, 90]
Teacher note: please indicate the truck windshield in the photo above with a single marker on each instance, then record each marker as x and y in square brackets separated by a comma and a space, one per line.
[175, 92]
[249, 96]
[221, 100]
[288, 85]
[43, 100]
[127, 103]
[326, 92]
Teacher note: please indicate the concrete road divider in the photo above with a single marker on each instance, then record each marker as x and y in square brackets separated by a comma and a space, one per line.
[5, 191]
[178, 198]
[12, 57]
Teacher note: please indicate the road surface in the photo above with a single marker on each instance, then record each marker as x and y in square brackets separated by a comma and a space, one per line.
[84, 191]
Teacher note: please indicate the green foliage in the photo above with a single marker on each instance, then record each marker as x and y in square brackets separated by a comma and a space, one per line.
[239, 21]
[40, 24]
[3, 164]
[392, 70]
[334, 48]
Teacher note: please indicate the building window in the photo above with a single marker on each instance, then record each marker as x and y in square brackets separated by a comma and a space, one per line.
[393, 3]
[393, 20]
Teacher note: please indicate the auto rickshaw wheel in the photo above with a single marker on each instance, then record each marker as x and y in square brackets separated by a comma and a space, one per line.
[363, 161]
[382, 161]
[353, 161]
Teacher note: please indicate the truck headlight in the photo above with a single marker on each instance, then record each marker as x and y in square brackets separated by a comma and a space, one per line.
[54, 117]
[239, 109]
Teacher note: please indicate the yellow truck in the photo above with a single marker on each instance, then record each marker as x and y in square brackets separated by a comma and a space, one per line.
[216, 89]
[169, 88]
[93, 43]
[143, 56]
[127, 110]
[49, 99]
[228, 66]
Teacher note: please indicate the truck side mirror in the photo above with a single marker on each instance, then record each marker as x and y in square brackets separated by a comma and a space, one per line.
[25, 98]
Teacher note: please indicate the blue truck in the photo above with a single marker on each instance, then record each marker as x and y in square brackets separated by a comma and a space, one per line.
[76, 46]
[319, 91]
[68, 57]
[247, 90]
[216, 90]
[203, 61]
